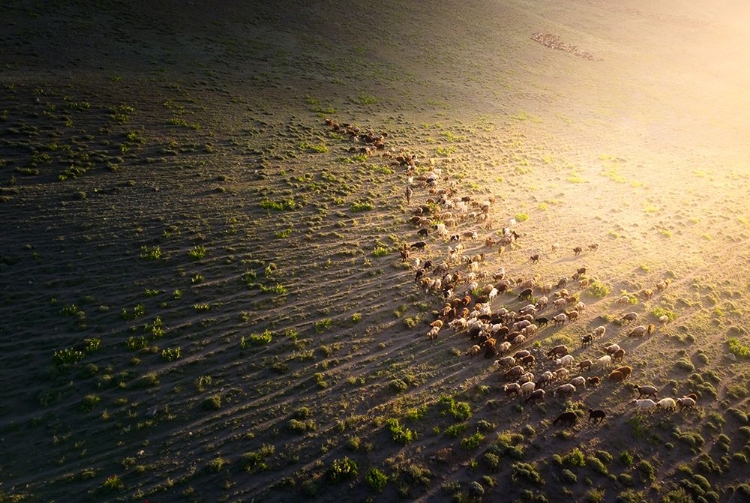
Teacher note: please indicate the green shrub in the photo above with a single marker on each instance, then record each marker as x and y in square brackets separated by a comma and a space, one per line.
[362, 206]
[323, 325]
[380, 251]
[342, 469]
[575, 458]
[212, 402]
[376, 479]
[737, 349]
[473, 441]
[569, 476]
[170, 354]
[399, 433]
[284, 205]
[526, 471]
[262, 339]
[596, 465]
[398, 385]
[598, 289]
[521, 217]
[216, 465]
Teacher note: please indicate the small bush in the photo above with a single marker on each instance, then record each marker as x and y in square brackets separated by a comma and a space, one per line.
[342, 469]
[472, 442]
[598, 289]
[399, 433]
[596, 465]
[569, 476]
[216, 465]
[197, 252]
[380, 251]
[521, 217]
[376, 479]
[575, 458]
[737, 349]
[362, 206]
[262, 339]
[212, 402]
[323, 325]
[398, 385]
[526, 471]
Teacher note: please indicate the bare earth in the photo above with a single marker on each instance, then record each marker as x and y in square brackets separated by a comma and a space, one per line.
[200, 282]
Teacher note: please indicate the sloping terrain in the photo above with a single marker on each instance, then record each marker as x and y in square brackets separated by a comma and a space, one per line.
[200, 279]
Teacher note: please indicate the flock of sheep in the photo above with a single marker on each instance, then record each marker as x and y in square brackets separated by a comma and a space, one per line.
[468, 291]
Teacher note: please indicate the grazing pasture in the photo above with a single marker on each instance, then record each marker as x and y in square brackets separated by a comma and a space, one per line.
[287, 251]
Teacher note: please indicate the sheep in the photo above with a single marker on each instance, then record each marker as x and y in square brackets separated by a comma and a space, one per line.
[514, 372]
[618, 356]
[584, 283]
[585, 365]
[593, 247]
[529, 331]
[506, 361]
[666, 404]
[503, 347]
[600, 331]
[685, 402]
[525, 294]
[527, 377]
[536, 396]
[662, 285]
[625, 371]
[558, 303]
[458, 324]
[663, 319]
[628, 317]
[593, 381]
[419, 245]
[604, 361]
[493, 293]
[572, 315]
[641, 330]
[596, 415]
[561, 373]
[518, 340]
[512, 389]
[555, 247]
[587, 339]
[473, 351]
[580, 307]
[647, 293]
[534, 258]
[578, 382]
[564, 389]
[559, 350]
[541, 322]
[611, 348]
[566, 418]
[616, 376]
[565, 361]
[521, 353]
[643, 404]
[693, 396]
[577, 251]
[433, 333]
[527, 388]
[545, 378]
[560, 319]
[646, 391]
[527, 361]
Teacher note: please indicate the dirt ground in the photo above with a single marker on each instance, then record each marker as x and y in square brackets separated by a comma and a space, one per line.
[200, 280]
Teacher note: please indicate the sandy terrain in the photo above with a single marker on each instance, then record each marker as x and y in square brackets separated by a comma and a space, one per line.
[200, 280]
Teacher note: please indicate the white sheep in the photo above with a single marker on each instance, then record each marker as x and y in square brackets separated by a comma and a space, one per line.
[527, 377]
[458, 324]
[579, 382]
[561, 373]
[666, 403]
[519, 339]
[506, 361]
[600, 331]
[642, 404]
[565, 361]
[605, 361]
[493, 293]
[503, 347]
[512, 389]
[528, 387]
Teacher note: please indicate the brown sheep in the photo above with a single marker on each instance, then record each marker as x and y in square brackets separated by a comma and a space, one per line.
[626, 371]
[585, 365]
[577, 251]
[557, 351]
[473, 351]
[618, 355]
[513, 372]
[566, 418]
[629, 317]
[536, 396]
[616, 376]
[593, 381]
[596, 415]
